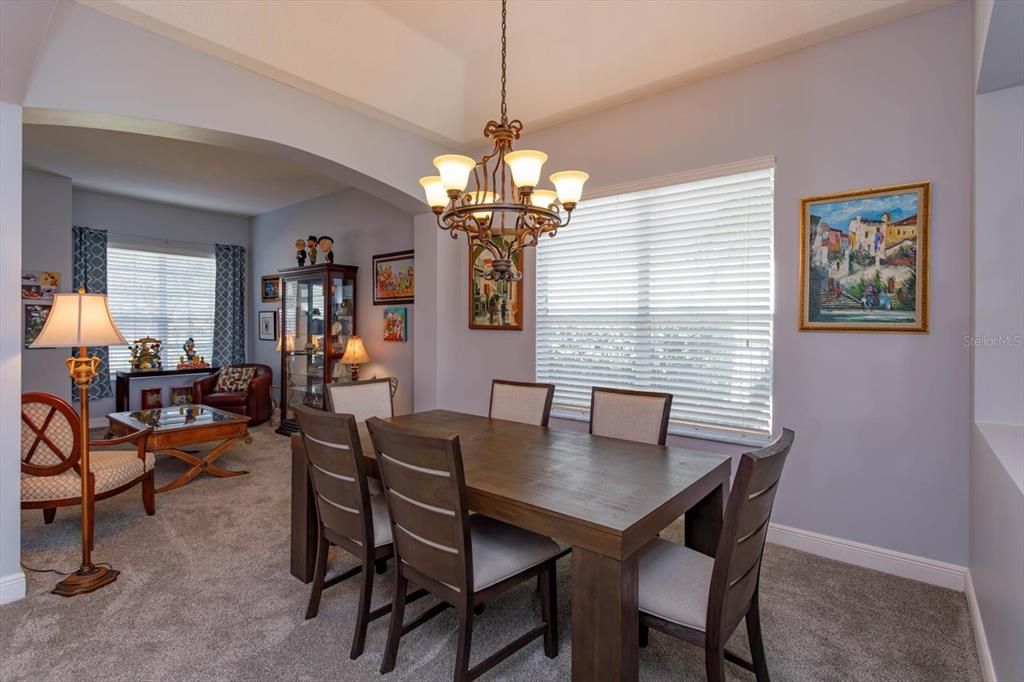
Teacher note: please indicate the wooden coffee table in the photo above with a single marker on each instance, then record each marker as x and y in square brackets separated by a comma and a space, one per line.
[176, 427]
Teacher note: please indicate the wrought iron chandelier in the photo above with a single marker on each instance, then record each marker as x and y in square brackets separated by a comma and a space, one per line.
[504, 210]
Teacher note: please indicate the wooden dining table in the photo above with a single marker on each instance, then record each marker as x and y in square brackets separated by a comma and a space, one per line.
[603, 496]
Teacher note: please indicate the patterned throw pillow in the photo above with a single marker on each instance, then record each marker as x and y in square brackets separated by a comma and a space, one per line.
[234, 379]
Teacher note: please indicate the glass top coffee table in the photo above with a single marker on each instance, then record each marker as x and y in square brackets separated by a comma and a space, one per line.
[181, 425]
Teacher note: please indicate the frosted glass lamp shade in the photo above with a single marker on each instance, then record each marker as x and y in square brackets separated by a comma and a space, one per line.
[543, 198]
[454, 170]
[79, 319]
[355, 352]
[569, 186]
[437, 196]
[483, 198]
[526, 165]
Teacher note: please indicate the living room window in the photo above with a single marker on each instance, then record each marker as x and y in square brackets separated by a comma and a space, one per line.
[666, 287]
[166, 292]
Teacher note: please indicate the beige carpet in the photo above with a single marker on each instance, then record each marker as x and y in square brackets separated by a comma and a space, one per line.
[205, 594]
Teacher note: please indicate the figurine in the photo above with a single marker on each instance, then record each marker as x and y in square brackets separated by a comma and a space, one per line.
[191, 359]
[326, 245]
[300, 252]
[311, 249]
[146, 354]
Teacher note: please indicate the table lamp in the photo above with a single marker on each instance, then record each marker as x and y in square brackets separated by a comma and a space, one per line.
[80, 320]
[355, 353]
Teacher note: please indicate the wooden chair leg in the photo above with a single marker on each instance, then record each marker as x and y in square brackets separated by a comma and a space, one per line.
[714, 662]
[49, 514]
[465, 643]
[363, 614]
[322, 546]
[149, 492]
[549, 609]
[756, 644]
[395, 630]
[645, 636]
[382, 566]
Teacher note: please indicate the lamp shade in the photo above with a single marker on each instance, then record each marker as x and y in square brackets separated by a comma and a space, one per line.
[355, 352]
[454, 170]
[437, 197]
[526, 165]
[79, 319]
[569, 185]
[544, 198]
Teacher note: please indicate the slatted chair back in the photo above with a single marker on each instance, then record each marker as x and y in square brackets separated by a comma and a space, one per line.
[640, 416]
[51, 441]
[521, 401]
[425, 488]
[362, 399]
[338, 475]
[737, 568]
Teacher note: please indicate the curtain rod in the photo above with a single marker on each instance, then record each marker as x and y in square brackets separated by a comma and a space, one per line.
[162, 240]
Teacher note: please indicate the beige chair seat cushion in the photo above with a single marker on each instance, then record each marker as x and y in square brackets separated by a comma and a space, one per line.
[381, 520]
[501, 550]
[674, 583]
[112, 469]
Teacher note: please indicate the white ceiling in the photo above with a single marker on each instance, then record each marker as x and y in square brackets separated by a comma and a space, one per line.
[432, 66]
[171, 171]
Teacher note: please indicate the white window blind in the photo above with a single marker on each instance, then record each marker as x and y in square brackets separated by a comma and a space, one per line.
[665, 289]
[162, 294]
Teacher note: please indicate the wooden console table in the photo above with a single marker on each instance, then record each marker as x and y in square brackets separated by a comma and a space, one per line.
[124, 380]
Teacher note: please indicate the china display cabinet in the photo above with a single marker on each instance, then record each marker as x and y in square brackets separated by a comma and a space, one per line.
[318, 315]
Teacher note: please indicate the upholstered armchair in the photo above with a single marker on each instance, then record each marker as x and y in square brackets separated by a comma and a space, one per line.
[252, 400]
[50, 450]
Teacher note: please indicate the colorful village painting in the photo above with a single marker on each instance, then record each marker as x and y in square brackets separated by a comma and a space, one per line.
[864, 260]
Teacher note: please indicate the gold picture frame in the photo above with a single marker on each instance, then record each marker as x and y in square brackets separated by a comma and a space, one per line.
[868, 272]
[494, 305]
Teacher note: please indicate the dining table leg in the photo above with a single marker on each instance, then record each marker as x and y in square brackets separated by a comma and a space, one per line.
[703, 522]
[304, 524]
[605, 617]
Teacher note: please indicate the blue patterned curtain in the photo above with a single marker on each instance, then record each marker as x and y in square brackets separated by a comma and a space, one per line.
[229, 306]
[89, 270]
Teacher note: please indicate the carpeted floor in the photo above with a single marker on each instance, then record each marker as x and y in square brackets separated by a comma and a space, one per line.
[205, 594]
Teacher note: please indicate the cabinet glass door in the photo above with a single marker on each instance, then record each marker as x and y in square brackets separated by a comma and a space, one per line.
[304, 339]
[343, 307]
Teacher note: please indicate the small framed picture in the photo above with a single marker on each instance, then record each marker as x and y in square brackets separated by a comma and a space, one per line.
[394, 278]
[270, 288]
[396, 323]
[268, 325]
[39, 286]
[181, 395]
[35, 318]
[152, 398]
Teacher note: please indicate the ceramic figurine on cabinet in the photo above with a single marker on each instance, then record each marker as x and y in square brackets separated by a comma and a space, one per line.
[326, 245]
[191, 359]
[146, 354]
[311, 249]
[300, 252]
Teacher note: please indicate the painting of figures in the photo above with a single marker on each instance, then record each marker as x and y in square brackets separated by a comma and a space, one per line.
[39, 286]
[494, 304]
[396, 324]
[394, 278]
[35, 318]
[864, 260]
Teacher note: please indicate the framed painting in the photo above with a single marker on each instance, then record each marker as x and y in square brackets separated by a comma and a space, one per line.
[864, 260]
[181, 395]
[394, 278]
[396, 324]
[268, 325]
[152, 398]
[270, 288]
[493, 304]
[35, 318]
[39, 286]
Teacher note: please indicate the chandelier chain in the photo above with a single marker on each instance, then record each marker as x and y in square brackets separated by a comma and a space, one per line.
[504, 107]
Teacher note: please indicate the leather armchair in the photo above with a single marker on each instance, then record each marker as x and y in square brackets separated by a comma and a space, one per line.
[254, 402]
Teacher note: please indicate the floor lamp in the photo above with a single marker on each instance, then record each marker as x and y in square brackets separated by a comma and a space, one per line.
[80, 320]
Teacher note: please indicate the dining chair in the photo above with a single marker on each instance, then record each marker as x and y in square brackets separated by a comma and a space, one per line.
[348, 516]
[521, 401]
[702, 600]
[640, 416]
[462, 560]
[362, 399]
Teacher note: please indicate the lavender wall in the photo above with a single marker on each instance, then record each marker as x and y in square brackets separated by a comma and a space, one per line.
[881, 454]
[362, 226]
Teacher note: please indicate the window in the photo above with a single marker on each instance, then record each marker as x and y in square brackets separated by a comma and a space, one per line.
[161, 293]
[666, 289]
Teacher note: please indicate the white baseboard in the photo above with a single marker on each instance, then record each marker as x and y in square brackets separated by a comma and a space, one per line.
[878, 558]
[12, 587]
[988, 671]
